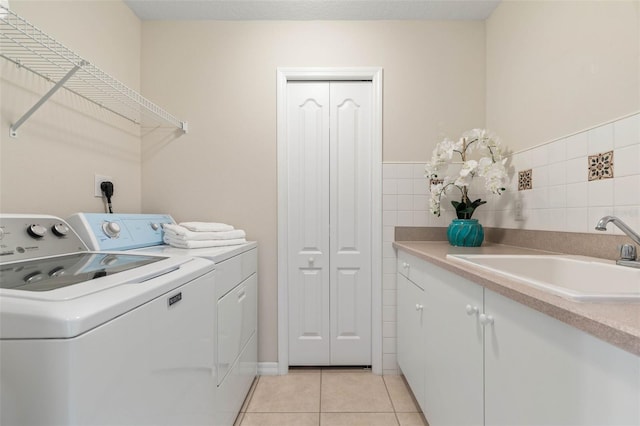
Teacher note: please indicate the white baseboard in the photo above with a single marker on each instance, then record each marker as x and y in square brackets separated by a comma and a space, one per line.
[268, 369]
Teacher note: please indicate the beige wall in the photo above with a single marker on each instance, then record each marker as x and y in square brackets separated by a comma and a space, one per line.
[221, 76]
[558, 67]
[50, 167]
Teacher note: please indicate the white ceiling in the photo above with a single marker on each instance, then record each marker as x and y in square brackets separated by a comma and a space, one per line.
[312, 9]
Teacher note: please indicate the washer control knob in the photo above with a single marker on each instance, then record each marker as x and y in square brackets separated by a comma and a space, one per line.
[60, 229]
[109, 260]
[155, 226]
[111, 229]
[36, 231]
[56, 272]
[33, 277]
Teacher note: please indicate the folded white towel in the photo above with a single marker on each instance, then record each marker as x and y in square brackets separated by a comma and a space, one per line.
[181, 233]
[203, 244]
[206, 226]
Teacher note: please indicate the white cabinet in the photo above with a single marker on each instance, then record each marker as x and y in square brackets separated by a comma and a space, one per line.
[454, 342]
[237, 332]
[507, 364]
[541, 371]
[411, 335]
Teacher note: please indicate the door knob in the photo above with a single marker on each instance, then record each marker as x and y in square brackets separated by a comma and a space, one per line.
[419, 307]
[471, 310]
[311, 260]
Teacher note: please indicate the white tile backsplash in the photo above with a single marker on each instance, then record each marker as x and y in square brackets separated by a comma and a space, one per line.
[600, 139]
[405, 202]
[576, 194]
[389, 186]
[389, 202]
[626, 161]
[558, 152]
[557, 173]
[389, 329]
[541, 176]
[576, 170]
[627, 191]
[562, 198]
[576, 145]
[600, 193]
[627, 131]
[405, 186]
[540, 156]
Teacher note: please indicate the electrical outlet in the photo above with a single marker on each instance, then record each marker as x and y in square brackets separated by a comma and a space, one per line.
[98, 179]
[517, 208]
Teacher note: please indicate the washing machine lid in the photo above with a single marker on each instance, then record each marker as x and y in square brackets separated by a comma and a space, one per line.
[43, 309]
[61, 271]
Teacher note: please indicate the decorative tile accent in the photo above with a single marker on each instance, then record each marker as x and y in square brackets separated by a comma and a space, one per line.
[435, 182]
[525, 180]
[601, 166]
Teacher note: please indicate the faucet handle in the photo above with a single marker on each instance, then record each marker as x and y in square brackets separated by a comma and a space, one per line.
[628, 252]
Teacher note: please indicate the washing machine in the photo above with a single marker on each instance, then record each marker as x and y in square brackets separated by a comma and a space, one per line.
[101, 337]
[236, 293]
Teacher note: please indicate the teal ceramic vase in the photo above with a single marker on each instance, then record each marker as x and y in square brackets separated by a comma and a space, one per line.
[465, 233]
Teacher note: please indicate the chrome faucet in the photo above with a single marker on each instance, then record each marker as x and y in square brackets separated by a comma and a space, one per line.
[628, 251]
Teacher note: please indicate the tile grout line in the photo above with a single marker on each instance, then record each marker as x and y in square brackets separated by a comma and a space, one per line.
[242, 414]
[320, 402]
[395, 413]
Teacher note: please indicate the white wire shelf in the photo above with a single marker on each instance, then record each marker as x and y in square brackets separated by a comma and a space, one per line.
[30, 48]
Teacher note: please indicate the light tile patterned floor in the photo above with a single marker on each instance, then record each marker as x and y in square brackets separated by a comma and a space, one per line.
[330, 397]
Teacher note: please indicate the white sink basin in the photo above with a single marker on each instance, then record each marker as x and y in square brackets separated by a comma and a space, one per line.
[572, 277]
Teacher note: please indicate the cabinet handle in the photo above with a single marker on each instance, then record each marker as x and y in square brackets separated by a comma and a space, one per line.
[419, 307]
[471, 310]
[311, 260]
[486, 319]
[405, 265]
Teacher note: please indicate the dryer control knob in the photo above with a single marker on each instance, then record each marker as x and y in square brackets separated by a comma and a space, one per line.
[155, 226]
[60, 229]
[111, 229]
[36, 231]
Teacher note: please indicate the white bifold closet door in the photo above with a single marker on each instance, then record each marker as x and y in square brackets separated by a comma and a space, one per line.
[329, 211]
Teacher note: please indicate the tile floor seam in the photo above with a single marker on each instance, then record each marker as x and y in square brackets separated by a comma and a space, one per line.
[320, 404]
[395, 413]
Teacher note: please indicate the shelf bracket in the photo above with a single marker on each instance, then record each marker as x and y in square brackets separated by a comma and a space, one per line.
[13, 131]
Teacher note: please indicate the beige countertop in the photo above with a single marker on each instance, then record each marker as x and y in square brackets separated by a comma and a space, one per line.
[616, 323]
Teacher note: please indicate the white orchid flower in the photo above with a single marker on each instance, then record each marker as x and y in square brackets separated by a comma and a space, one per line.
[468, 167]
[491, 166]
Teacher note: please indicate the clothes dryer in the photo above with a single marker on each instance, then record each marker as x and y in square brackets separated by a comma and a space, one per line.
[236, 293]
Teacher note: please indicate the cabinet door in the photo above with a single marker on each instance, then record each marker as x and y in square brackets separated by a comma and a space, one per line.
[453, 350]
[410, 335]
[540, 371]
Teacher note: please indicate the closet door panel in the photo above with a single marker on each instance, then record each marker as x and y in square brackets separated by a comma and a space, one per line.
[350, 222]
[308, 133]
